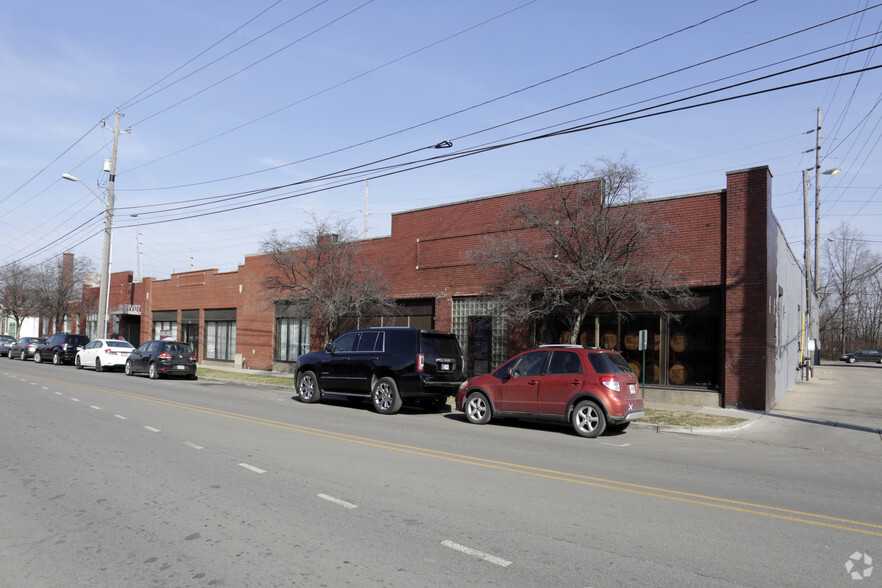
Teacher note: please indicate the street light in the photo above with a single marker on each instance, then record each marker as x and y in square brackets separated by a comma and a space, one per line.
[103, 290]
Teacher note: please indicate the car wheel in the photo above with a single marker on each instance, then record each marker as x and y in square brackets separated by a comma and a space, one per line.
[617, 428]
[78, 363]
[477, 408]
[308, 388]
[192, 377]
[128, 369]
[56, 358]
[98, 367]
[24, 355]
[38, 358]
[851, 360]
[385, 396]
[588, 419]
[152, 372]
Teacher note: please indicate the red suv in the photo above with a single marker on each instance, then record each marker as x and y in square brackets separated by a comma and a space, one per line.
[593, 389]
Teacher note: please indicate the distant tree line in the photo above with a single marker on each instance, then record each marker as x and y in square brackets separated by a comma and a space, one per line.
[49, 289]
[850, 294]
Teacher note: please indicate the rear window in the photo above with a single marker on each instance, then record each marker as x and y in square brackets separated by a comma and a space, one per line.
[119, 344]
[444, 346]
[609, 363]
[177, 348]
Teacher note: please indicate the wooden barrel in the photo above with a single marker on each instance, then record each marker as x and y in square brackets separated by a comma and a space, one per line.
[679, 373]
[609, 340]
[632, 341]
[635, 367]
[679, 342]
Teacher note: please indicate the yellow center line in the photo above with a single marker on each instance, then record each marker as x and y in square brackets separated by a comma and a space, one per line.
[663, 493]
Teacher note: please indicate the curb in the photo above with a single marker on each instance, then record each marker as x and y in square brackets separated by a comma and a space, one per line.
[692, 430]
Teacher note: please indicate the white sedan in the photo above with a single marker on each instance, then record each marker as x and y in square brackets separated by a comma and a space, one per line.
[103, 354]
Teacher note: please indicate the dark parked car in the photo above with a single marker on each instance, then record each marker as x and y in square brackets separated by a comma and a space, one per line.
[592, 389]
[61, 348]
[387, 365]
[5, 342]
[862, 355]
[162, 358]
[25, 347]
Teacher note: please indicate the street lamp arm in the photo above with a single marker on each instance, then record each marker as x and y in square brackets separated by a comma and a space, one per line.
[76, 179]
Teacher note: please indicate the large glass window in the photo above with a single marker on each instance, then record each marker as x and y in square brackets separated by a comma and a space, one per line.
[220, 340]
[292, 338]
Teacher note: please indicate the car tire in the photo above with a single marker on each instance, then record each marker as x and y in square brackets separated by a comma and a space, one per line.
[152, 372]
[78, 363]
[307, 387]
[56, 358]
[851, 360]
[477, 408]
[192, 377]
[38, 358]
[618, 428]
[385, 396]
[98, 367]
[129, 370]
[24, 355]
[588, 419]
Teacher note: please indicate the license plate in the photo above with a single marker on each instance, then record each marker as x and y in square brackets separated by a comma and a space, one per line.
[180, 367]
[445, 367]
[632, 388]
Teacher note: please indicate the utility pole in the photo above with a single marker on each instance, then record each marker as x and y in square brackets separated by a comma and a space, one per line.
[365, 207]
[104, 289]
[817, 196]
[807, 321]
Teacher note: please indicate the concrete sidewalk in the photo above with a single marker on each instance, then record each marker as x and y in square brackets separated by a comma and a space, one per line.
[839, 410]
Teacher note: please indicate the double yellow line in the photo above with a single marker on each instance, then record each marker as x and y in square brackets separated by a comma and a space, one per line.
[686, 497]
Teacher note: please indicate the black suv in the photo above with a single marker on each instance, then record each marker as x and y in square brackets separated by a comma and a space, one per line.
[60, 348]
[385, 364]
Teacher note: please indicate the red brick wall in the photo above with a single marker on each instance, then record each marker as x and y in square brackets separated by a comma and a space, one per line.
[721, 239]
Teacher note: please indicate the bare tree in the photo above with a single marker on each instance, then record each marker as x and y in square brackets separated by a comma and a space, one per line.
[58, 284]
[588, 244]
[850, 294]
[18, 298]
[321, 269]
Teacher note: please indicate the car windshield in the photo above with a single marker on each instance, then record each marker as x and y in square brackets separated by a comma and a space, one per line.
[444, 346]
[609, 363]
[177, 348]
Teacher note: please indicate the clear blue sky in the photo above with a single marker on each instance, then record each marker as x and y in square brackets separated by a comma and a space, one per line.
[225, 98]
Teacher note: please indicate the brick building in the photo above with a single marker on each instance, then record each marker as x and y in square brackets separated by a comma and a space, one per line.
[738, 346]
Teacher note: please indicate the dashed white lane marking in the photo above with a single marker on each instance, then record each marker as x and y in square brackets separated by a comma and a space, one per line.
[45, 388]
[617, 445]
[469, 551]
[193, 445]
[120, 417]
[59, 393]
[342, 503]
[151, 429]
[96, 407]
[75, 399]
[252, 468]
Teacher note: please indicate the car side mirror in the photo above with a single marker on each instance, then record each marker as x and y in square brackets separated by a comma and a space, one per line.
[508, 374]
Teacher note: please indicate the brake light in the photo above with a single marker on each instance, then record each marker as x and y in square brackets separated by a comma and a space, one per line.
[611, 382]
[420, 362]
[192, 358]
[164, 356]
[64, 346]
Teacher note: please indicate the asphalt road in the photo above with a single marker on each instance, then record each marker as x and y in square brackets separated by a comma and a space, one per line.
[109, 480]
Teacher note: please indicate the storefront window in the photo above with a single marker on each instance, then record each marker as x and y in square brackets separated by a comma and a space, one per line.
[292, 338]
[693, 343]
[220, 340]
[165, 330]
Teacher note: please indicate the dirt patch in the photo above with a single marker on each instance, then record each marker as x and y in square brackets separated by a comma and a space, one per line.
[685, 418]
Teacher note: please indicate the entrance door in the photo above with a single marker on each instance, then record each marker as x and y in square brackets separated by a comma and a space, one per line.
[190, 334]
[480, 353]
